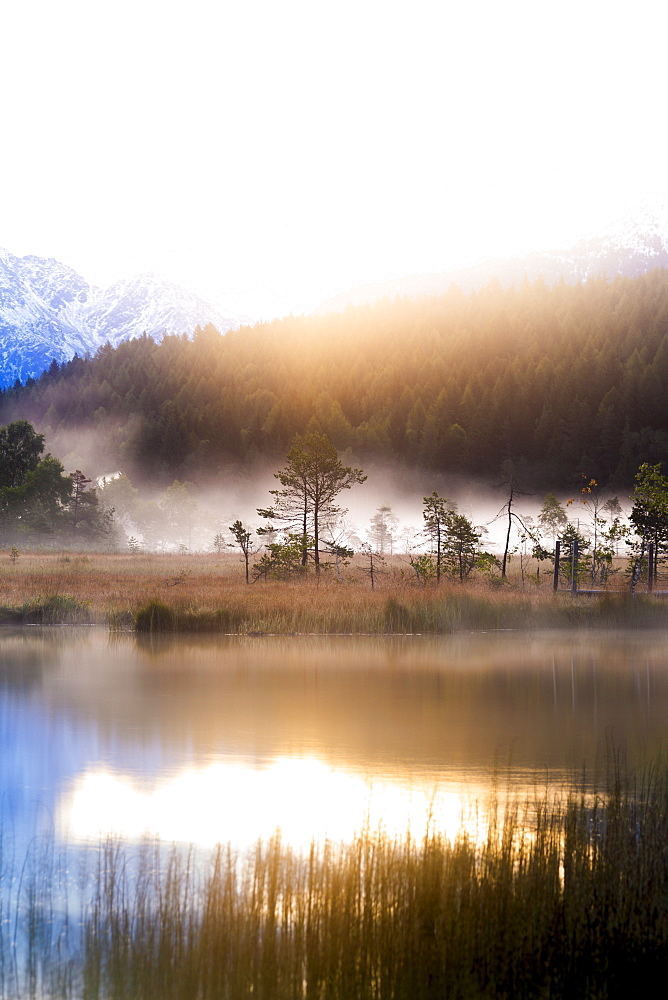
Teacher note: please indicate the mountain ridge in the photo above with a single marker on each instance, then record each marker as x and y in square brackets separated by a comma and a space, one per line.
[48, 311]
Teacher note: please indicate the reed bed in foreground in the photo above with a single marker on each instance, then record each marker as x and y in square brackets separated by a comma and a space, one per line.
[563, 897]
[206, 593]
[440, 611]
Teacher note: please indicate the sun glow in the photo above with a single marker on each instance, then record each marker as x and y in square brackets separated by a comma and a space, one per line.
[315, 147]
[302, 797]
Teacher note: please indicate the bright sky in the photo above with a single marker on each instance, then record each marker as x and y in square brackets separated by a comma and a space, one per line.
[282, 151]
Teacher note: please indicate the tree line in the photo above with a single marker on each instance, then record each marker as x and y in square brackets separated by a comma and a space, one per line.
[40, 504]
[559, 379]
[449, 543]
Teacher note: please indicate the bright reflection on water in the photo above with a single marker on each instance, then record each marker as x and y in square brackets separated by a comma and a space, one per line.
[228, 739]
[302, 797]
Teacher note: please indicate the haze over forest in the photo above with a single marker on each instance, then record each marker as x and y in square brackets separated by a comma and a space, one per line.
[441, 393]
[560, 380]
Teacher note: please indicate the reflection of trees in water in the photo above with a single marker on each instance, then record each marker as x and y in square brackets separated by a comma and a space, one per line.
[26, 652]
[437, 702]
[23, 671]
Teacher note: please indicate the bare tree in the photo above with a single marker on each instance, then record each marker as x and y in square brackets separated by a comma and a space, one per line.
[508, 511]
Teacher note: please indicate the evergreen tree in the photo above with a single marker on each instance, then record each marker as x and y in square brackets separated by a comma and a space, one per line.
[46, 496]
[88, 519]
[35, 494]
[462, 543]
[649, 514]
[311, 480]
[242, 538]
[20, 449]
[381, 530]
[552, 517]
[436, 514]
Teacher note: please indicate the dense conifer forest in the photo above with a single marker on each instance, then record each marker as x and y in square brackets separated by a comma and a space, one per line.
[561, 380]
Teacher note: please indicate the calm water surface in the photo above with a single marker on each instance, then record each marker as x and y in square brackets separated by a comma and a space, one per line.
[228, 738]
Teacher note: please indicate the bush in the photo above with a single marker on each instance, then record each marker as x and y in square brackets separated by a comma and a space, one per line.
[57, 609]
[154, 616]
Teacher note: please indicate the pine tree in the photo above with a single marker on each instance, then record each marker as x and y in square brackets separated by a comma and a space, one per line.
[242, 538]
[436, 514]
[311, 480]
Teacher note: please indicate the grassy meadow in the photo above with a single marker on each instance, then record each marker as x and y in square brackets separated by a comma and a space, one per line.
[207, 593]
[562, 896]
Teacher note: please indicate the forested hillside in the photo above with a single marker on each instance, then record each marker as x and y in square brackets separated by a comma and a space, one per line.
[563, 380]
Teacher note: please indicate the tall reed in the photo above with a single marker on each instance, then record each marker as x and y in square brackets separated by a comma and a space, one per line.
[566, 896]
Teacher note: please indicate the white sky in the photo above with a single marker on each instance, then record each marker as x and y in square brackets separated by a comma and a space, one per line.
[293, 148]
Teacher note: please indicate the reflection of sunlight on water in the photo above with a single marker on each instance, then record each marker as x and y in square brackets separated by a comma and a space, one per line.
[305, 798]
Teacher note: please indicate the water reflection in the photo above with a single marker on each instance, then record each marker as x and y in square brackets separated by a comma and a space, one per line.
[229, 738]
[302, 797]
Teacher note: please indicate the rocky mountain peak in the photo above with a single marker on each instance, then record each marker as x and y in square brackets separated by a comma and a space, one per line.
[48, 310]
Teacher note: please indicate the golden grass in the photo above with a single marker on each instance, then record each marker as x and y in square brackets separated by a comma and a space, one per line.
[208, 593]
[564, 897]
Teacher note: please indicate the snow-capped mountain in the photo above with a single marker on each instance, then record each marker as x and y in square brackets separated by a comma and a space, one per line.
[630, 247]
[155, 305]
[49, 311]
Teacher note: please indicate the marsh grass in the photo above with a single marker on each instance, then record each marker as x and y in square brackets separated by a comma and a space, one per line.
[206, 593]
[56, 609]
[302, 608]
[566, 896]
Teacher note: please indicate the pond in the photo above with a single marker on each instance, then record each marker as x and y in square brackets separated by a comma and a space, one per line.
[226, 739]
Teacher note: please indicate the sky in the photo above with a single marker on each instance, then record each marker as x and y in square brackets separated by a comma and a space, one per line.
[269, 154]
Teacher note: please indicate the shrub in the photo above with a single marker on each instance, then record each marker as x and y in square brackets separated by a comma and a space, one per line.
[154, 616]
[57, 609]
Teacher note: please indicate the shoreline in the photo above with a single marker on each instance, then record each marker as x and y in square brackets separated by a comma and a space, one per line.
[206, 593]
